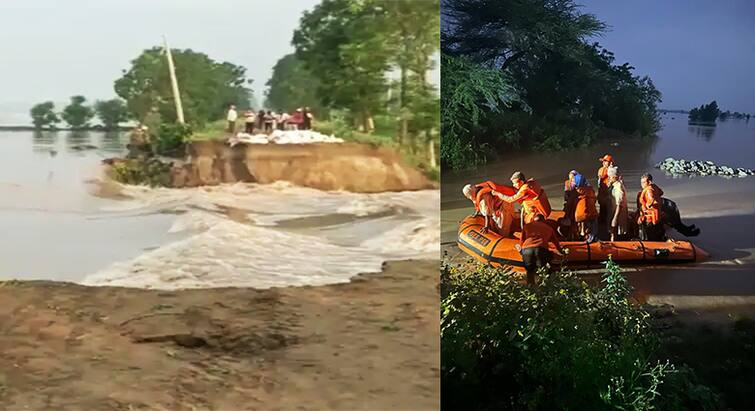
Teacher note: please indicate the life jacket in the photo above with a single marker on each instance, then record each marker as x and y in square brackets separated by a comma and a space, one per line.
[585, 209]
[602, 177]
[486, 188]
[535, 200]
[650, 204]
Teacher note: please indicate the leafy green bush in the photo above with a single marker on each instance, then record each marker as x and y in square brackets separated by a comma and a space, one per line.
[152, 172]
[469, 93]
[172, 137]
[563, 345]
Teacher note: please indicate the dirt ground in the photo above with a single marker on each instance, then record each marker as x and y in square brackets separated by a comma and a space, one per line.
[371, 344]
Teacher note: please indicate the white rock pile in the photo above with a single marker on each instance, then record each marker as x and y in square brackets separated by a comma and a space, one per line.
[284, 137]
[703, 168]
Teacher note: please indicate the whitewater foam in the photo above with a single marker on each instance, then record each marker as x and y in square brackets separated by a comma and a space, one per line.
[269, 248]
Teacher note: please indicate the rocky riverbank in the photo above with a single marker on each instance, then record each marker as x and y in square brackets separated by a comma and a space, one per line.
[676, 167]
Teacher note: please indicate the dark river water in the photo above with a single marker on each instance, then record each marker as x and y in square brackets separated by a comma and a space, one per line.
[724, 209]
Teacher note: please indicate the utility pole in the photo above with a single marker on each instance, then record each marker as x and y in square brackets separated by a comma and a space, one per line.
[174, 83]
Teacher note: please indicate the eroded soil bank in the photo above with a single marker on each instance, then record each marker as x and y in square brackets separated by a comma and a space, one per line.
[351, 167]
[368, 344]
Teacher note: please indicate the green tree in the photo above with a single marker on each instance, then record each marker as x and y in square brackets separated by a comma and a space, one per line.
[706, 113]
[77, 114]
[413, 45]
[207, 87]
[292, 86]
[346, 45]
[575, 90]
[43, 115]
[469, 92]
[111, 112]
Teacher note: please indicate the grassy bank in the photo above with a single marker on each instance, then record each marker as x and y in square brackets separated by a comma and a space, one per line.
[569, 345]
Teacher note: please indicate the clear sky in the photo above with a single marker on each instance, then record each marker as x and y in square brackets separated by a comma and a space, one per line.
[694, 50]
[53, 49]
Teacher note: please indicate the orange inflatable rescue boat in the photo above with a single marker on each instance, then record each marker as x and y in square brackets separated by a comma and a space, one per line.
[492, 249]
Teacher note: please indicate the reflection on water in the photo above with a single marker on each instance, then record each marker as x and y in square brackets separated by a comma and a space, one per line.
[45, 141]
[112, 142]
[723, 208]
[704, 132]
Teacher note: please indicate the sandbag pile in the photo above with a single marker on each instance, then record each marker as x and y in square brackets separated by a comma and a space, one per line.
[703, 168]
[284, 137]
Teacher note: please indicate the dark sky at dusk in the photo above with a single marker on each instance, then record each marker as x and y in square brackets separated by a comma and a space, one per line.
[695, 51]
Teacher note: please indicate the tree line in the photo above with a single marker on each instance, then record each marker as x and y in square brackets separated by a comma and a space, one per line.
[525, 75]
[77, 114]
[343, 51]
[708, 113]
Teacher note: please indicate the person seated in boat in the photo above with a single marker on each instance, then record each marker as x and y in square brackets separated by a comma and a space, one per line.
[491, 207]
[649, 203]
[618, 213]
[604, 197]
[536, 235]
[531, 196]
[585, 213]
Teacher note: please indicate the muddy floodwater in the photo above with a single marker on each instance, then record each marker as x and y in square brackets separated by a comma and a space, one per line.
[724, 209]
[261, 235]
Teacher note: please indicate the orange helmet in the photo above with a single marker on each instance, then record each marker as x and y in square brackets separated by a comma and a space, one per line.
[606, 157]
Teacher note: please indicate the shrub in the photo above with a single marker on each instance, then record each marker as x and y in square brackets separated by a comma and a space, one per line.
[172, 137]
[563, 345]
[152, 172]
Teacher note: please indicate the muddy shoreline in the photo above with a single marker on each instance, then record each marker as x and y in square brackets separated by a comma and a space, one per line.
[71, 347]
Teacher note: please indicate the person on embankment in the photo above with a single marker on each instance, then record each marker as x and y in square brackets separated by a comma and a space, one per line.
[604, 197]
[531, 196]
[249, 121]
[536, 235]
[491, 207]
[231, 117]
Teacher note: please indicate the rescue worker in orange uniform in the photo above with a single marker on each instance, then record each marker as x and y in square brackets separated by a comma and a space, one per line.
[649, 210]
[530, 194]
[604, 197]
[533, 246]
[491, 207]
[585, 213]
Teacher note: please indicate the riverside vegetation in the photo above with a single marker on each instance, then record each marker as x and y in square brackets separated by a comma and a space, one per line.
[343, 50]
[522, 74]
[569, 345]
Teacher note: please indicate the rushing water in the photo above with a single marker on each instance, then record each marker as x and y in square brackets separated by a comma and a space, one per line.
[724, 209]
[230, 235]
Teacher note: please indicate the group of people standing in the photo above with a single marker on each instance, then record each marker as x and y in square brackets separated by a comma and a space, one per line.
[583, 219]
[267, 121]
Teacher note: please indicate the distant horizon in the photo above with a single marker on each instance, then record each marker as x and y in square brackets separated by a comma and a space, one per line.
[81, 47]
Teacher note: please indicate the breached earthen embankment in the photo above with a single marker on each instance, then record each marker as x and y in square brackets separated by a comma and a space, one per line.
[349, 166]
